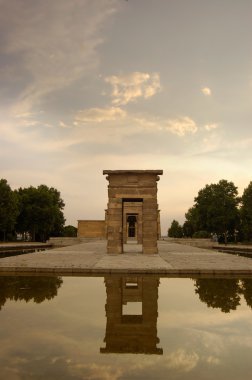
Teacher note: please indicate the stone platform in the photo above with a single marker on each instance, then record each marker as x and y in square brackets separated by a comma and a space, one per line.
[90, 258]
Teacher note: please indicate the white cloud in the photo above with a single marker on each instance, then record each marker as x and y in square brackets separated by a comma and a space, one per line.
[128, 88]
[149, 124]
[211, 126]
[181, 126]
[99, 115]
[63, 125]
[206, 91]
[26, 115]
[123, 123]
[55, 43]
[33, 140]
[212, 142]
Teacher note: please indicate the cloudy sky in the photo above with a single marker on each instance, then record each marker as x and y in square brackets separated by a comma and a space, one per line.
[87, 85]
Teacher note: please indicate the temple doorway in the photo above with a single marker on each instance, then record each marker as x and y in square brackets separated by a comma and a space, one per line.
[132, 225]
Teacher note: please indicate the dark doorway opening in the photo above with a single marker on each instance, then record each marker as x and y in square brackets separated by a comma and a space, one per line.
[131, 220]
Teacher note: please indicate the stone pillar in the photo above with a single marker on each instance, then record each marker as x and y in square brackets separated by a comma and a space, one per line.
[125, 227]
[140, 226]
[159, 226]
[106, 224]
[114, 226]
[150, 226]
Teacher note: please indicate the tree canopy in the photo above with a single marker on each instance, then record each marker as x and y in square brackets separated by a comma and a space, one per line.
[218, 211]
[70, 231]
[175, 230]
[246, 212]
[215, 209]
[9, 209]
[33, 211]
[40, 212]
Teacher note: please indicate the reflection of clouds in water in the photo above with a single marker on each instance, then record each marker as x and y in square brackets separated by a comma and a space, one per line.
[61, 338]
[213, 360]
[181, 360]
[242, 341]
[205, 341]
[50, 350]
[68, 359]
[90, 371]
[94, 371]
[178, 360]
[194, 319]
[27, 365]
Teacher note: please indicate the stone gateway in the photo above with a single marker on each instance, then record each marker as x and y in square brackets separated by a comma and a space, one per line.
[132, 211]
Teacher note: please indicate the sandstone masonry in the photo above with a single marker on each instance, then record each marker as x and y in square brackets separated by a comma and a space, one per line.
[132, 193]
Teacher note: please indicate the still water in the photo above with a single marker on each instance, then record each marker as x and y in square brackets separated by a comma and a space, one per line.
[125, 328]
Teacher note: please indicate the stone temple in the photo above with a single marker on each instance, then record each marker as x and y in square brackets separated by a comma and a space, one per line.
[132, 214]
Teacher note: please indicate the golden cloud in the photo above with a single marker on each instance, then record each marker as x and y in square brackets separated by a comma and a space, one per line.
[206, 91]
[181, 126]
[211, 126]
[128, 88]
[99, 115]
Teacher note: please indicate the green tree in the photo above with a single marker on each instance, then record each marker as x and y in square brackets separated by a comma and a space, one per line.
[175, 230]
[192, 218]
[201, 235]
[246, 213]
[8, 209]
[70, 231]
[41, 212]
[216, 208]
[188, 229]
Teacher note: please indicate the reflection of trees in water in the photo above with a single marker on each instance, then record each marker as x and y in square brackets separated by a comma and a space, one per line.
[37, 289]
[224, 293]
[246, 286]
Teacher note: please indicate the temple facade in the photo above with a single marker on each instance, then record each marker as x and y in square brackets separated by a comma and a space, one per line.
[132, 214]
[132, 210]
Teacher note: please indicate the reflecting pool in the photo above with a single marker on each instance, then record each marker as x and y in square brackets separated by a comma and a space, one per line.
[133, 327]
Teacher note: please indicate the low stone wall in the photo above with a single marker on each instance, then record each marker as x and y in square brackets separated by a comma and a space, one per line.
[63, 241]
[201, 243]
[67, 241]
[91, 229]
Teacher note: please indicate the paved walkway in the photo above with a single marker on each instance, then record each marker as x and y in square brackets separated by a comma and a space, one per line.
[91, 259]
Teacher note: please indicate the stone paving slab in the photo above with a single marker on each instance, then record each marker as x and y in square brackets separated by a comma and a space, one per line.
[132, 262]
[91, 258]
[199, 260]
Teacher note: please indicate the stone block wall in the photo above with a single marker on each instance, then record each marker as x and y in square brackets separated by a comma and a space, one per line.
[91, 229]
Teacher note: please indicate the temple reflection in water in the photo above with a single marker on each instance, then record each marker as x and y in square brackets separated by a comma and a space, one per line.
[132, 312]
